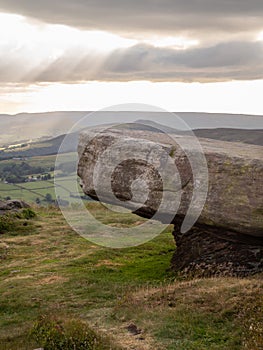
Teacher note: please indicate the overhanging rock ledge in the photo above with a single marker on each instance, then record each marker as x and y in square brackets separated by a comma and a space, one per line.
[228, 235]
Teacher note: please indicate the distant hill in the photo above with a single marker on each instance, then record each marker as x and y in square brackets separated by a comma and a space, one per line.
[43, 148]
[51, 146]
[25, 127]
[149, 125]
[254, 137]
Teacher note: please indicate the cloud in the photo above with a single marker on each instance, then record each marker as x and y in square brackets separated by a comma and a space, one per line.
[202, 19]
[221, 62]
[225, 31]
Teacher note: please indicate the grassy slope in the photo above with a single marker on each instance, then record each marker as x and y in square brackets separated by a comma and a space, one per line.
[46, 268]
[43, 161]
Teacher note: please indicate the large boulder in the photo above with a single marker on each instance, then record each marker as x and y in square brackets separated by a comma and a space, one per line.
[125, 167]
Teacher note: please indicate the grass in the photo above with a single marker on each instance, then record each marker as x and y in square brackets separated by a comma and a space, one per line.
[200, 314]
[47, 269]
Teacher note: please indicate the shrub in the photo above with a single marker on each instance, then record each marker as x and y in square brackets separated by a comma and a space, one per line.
[28, 213]
[6, 223]
[15, 221]
[57, 334]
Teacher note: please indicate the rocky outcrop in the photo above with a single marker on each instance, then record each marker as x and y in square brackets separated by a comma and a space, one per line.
[210, 251]
[12, 205]
[139, 169]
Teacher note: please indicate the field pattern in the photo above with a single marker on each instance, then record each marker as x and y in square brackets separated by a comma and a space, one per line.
[38, 190]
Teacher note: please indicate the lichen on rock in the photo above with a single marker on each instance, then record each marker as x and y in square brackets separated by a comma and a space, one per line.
[229, 230]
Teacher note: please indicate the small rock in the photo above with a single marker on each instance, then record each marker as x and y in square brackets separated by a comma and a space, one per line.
[141, 338]
[132, 328]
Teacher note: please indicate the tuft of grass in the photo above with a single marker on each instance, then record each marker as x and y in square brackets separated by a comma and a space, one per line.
[16, 221]
[6, 223]
[53, 333]
[28, 213]
[172, 151]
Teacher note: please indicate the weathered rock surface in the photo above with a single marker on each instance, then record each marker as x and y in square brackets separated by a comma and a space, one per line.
[111, 162]
[12, 205]
[209, 251]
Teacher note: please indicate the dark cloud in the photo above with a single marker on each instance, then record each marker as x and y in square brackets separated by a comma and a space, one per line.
[225, 61]
[138, 17]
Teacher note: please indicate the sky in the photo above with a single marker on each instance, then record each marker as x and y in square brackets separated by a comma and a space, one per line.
[195, 55]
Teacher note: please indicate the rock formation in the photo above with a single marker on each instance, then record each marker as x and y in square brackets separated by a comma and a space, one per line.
[12, 205]
[137, 169]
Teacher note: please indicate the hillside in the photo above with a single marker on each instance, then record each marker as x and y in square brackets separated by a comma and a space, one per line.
[250, 136]
[51, 146]
[35, 125]
[128, 296]
[51, 124]
[40, 148]
[254, 137]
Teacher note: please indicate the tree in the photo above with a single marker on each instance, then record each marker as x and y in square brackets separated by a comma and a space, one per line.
[48, 198]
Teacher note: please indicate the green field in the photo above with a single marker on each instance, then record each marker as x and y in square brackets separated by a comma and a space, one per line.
[27, 191]
[30, 191]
